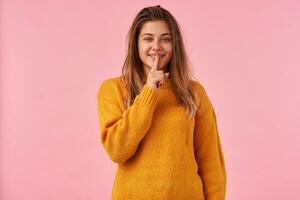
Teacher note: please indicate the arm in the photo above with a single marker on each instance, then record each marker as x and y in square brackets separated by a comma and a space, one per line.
[121, 133]
[208, 151]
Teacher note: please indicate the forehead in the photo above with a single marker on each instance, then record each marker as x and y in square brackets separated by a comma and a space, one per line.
[155, 28]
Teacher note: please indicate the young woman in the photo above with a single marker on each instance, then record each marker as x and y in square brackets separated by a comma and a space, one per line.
[157, 123]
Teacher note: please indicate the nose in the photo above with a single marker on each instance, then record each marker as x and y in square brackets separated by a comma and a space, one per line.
[156, 46]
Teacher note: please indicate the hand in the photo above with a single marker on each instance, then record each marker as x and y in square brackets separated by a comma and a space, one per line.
[156, 77]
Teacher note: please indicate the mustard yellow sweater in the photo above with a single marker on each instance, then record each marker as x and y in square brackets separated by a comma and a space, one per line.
[161, 154]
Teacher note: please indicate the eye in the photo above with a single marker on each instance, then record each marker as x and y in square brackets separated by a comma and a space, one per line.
[164, 39]
[167, 39]
[147, 38]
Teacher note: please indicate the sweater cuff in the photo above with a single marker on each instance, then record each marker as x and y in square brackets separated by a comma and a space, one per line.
[148, 96]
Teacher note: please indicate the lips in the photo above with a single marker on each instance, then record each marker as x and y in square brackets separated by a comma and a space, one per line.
[159, 55]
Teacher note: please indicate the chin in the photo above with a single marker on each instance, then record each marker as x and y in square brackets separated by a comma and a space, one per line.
[159, 67]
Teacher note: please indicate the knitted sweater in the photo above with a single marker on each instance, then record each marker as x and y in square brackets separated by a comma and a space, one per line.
[160, 152]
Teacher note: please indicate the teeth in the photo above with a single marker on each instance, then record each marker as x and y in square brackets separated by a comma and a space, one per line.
[160, 56]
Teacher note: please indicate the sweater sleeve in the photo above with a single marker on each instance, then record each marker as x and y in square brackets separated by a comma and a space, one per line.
[121, 132]
[208, 151]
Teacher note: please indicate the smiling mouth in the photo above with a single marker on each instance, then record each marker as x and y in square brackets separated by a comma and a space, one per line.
[153, 56]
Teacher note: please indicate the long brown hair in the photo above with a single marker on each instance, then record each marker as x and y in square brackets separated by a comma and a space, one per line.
[179, 65]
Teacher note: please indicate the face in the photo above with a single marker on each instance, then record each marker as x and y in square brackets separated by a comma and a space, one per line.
[155, 38]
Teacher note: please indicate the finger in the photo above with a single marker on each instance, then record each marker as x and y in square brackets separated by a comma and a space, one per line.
[161, 72]
[167, 74]
[155, 64]
[162, 79]
[159, 83]
[159, 76]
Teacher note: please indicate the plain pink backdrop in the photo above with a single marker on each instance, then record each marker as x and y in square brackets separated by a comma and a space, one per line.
[55, 55]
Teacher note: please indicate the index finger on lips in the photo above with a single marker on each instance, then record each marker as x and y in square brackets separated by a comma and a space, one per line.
[155, 64]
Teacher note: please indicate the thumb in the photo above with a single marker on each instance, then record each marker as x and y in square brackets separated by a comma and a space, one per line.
[167, 74]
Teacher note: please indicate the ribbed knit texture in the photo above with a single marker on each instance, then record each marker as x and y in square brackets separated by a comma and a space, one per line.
[160, 152]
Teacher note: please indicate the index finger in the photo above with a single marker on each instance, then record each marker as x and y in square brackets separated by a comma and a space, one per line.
[155, 64]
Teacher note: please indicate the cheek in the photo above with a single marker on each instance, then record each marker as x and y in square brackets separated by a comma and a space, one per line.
[143, 47]
[168, 48]
[142, 52]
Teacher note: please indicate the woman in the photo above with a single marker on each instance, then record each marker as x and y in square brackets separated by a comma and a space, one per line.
[157, 123]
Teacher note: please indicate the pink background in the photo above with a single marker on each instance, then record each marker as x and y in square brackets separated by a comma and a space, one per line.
[55, 55]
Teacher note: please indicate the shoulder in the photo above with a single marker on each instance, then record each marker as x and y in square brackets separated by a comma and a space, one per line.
[113, 90]
[111, 84]
[198, 88]
[113, 81]
[200, 93]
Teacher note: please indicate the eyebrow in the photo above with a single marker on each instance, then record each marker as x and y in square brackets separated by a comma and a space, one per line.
[161, 34]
